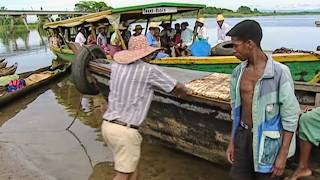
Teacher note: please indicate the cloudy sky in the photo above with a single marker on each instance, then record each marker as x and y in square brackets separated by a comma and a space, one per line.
[230, 4]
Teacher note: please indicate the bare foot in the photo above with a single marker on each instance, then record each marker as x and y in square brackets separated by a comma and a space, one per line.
[300, 172]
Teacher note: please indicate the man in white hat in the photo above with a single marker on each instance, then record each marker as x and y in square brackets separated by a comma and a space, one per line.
[222, 29]
[80, 38]
[153, 34]
[132, 84]
[201, 33]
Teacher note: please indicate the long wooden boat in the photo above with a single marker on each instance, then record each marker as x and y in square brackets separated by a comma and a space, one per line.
[9, 97]
[197, 125]
[112, 17]
[303, 66]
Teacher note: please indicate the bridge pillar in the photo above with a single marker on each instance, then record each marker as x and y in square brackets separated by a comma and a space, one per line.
[24, 19]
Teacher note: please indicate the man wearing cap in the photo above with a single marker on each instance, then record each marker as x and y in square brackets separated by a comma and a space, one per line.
[137, 30]
[265, 110]
[132, 84]
[153, 35]
[201, 30]
[80, 38]
[153, 39]
[222, 29]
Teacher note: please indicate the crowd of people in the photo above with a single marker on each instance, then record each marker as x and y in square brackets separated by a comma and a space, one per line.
[177, 41]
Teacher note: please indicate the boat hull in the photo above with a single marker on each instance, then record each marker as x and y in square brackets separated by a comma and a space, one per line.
[303, 66]
[64, 54]
[198, 126]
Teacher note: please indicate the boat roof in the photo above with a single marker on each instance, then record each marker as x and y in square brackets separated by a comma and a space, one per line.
[128, 13]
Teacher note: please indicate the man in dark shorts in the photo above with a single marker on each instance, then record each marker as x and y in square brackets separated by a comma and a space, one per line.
[265, 110]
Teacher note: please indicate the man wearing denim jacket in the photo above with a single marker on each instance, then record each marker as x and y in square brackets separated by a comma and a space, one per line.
[265, 110]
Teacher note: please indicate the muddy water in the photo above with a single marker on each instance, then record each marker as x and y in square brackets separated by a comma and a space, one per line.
[34, 142]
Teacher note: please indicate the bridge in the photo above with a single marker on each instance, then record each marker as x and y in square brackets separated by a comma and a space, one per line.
[39, 13]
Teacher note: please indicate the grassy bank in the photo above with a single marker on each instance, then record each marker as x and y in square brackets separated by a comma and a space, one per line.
[19, 27]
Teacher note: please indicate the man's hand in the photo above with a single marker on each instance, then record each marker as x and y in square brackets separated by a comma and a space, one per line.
[230, 153]
[279, 165]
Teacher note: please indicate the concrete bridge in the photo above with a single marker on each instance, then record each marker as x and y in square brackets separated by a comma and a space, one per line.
[24, 13]
[39, 13]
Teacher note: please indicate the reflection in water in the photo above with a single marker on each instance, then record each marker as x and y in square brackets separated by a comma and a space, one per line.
[8, 112]
[21, 40]
[157, 162]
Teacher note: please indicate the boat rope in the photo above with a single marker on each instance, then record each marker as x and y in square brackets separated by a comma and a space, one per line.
[74, 135]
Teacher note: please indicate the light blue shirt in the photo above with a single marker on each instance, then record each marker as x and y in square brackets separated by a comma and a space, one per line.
[152, 40]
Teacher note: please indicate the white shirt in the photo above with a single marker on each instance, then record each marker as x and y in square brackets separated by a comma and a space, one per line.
[101, 39]
[131, 90]
[202, 33]
[222, 33]
[186, 36]
[80, 39]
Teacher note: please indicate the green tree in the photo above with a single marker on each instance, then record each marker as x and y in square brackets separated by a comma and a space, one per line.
[244, 10]
[91, 6]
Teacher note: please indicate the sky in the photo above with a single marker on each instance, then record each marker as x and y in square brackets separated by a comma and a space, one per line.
[229, 4]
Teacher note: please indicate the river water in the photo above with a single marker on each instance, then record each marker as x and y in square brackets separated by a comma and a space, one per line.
[34, 142]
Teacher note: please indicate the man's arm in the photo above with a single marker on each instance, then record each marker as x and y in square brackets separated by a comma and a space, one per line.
[289, 112]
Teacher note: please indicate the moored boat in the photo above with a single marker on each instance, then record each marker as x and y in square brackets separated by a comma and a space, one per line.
[196, 124]
[303, 66]
[3, 64]
[9, 70]
[34, 79]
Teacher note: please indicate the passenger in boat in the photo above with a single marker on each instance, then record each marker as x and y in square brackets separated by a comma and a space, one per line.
[309, 135]
[132, 84]
[222, 29]
[80, 38]
[166, 37]
[54, 40]
[115, 41]
[153, 35]
[265, 110]
[102, 38]
[201, 30]
[177, 40]
[126, 33]
[137, 30]
[186, 38]
[92, 37]
[153, 39]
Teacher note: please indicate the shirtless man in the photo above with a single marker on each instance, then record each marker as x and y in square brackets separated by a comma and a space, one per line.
[265, 110]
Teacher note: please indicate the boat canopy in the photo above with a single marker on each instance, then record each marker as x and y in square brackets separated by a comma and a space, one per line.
[128, 13]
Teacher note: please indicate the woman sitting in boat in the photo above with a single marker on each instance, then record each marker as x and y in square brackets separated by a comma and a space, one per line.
[186, 39]
[153, 39]
[92, 37]
[54, 40]
[80, 38]
[115, 40]
[200, 45]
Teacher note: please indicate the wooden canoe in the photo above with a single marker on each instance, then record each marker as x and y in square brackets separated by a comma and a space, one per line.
[3, 64]
[9, 70]
[8, 97]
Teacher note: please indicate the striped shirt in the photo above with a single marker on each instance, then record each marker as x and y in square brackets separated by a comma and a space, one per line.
[131, 90]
